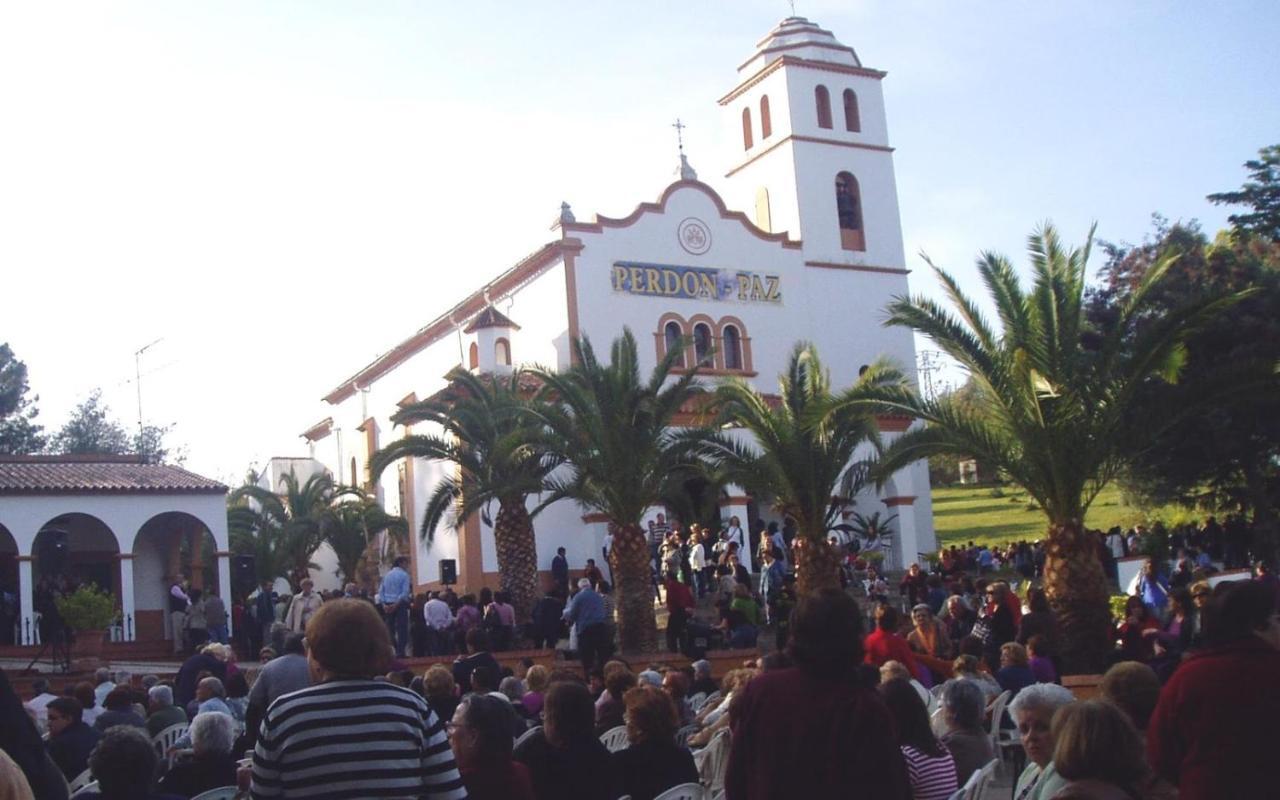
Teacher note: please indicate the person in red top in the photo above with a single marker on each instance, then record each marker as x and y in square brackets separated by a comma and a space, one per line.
[884, 644]
[819, 729]
[680, 606]
[1214, 731]
[480, 735]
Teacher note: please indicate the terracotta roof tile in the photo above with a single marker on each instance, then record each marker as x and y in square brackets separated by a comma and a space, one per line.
[98, 475]
[490, 318]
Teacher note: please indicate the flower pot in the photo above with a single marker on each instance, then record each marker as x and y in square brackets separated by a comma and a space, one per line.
[86, 649]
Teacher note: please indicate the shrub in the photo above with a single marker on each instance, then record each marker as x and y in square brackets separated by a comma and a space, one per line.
[87, 609]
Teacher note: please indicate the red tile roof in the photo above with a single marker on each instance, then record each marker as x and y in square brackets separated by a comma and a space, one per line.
[98, 475]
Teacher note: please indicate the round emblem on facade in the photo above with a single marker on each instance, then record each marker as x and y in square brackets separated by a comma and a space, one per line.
[694, 236]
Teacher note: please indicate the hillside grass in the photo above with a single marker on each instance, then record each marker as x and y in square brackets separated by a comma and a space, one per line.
[997, 515]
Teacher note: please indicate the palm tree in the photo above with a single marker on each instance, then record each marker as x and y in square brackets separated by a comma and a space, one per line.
[1054, 405]
[351, 529]
[291, 522]
[615, 433]
[488, 432]
[800, 452]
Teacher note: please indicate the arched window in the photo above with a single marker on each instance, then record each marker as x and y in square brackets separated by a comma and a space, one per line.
[764, 217]
[746, 129]
[732, 341]
[849, 212]
[823, 98]
[766, 122]
[702, 344]
[473, 358]
[851, 120]
[502, 353]
[671, 335]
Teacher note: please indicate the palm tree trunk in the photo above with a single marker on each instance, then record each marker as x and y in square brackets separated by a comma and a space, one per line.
[517, 556]
[817, 564]
[1077, 592]
[632, 574]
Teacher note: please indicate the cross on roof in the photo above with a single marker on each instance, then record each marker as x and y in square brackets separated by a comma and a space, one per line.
[792, 3]
[679, 126]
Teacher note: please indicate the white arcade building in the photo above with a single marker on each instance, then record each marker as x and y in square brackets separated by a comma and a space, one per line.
[801, 240]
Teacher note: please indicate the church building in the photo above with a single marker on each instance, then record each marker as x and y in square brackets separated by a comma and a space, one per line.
[799, 240]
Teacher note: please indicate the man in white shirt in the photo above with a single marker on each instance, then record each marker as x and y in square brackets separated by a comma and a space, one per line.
[102, 677]
[698, 564]
[439, 620]
[178, 604]
[39, 704]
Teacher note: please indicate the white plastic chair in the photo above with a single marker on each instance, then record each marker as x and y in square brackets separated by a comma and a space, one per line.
[1000, 738]
[168, 737]
[714, 761]
[710, 699]
[82, 780]
[526, 735]
[685, 791]
[682, 735]
[221, 793]
[615, 739]
[696, 700]
[92, 786]
[978, 782]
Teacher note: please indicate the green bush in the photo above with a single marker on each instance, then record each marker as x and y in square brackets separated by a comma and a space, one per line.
[1117, 606]
[87, 609]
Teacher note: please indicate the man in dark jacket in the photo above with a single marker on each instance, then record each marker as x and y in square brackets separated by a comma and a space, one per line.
[70, 740]
[560, 571]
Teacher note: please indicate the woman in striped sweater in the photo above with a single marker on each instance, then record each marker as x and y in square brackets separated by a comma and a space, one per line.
[929, 764]
[348, 736]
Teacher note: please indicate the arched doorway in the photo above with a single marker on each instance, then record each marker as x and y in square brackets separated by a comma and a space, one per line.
[9, 592]
[170, 546]
[74, 549]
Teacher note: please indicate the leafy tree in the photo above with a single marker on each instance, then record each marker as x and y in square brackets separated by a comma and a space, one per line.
[801, 452]
[283, 529]
[1226, 456]
[484, 426]
[19, 433]
[1261, 195]
[614, 431]
[92, 430]
[351, 527]
[1056, 413]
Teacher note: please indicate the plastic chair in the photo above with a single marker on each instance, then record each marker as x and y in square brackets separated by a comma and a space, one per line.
[82, 780]
[526, 735]
[92, 786]
[682, 735]
[221, 793]
[685, 791]
[978, 782]
[997, 714]
[715, 761]
[168, 737]
[615, 739]
[710, 699]
[696, 700]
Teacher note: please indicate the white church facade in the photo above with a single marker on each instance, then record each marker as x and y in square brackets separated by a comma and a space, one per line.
[800, 240]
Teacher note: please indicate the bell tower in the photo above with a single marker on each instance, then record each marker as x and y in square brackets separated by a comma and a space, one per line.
[807, 123]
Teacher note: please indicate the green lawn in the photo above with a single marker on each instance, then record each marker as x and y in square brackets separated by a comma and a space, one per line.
[963, 513]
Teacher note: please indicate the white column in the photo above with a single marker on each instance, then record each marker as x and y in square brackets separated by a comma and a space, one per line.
[906, 539]
[224, 584]
[26, 585]
[130, 622]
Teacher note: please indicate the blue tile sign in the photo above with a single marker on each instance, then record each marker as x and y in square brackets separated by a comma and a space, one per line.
[695, 283]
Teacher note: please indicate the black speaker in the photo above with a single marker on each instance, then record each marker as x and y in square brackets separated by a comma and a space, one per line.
[448, 571]
[243, 577]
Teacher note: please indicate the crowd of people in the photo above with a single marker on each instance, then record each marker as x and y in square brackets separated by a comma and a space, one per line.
[893, 695]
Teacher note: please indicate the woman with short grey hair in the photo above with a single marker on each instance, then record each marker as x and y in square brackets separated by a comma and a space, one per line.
[1032, 711]
[212, 764]
[963, 704]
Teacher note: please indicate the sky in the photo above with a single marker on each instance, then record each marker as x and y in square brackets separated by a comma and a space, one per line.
[279, 191]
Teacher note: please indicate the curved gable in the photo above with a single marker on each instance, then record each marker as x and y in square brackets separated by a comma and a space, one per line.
[660, 207]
